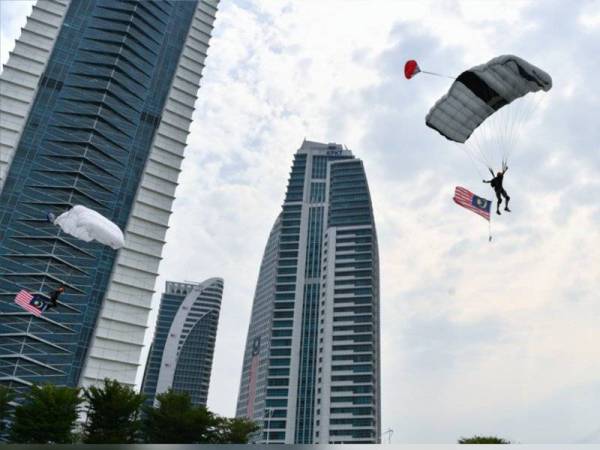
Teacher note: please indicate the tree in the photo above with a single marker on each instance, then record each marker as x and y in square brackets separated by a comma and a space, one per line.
[112, 414]
[236, 431]
[177, 421]
[48, 414]
[6, 396]
[483, 440]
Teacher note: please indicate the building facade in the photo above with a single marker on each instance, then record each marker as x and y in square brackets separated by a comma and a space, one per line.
[96, 101]
[251, 399]
[311, 371]
[184, 341]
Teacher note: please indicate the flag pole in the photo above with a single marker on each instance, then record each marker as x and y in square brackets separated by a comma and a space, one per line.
[22, 345]
[490, 230]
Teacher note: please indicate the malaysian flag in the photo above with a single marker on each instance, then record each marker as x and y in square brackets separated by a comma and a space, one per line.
[478, 205]
[253, 376]
[32, 303]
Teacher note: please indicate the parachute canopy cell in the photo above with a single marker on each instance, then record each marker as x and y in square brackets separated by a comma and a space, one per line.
[88, 225]
[411, 68]
[481, 91]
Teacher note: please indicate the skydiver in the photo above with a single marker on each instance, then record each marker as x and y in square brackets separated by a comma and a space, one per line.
[496, 183]
[53, 302]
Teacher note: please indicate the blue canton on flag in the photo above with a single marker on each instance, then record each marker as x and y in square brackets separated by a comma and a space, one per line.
[481, 203]
[470, 201]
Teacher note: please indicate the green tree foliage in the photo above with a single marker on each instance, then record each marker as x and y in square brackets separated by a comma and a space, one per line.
[483, 440]
[6, 396]
[113, 412]
[177, 421]
[48, 414]
[235, 431]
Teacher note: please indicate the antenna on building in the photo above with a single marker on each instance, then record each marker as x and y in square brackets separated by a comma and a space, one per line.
[389, 432]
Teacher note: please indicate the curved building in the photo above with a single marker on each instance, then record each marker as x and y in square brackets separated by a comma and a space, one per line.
[314, 330]
[251, 399]
[96, 102]
[184, 341]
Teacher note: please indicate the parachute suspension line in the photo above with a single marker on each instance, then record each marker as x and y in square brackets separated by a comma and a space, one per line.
[494, 137]
[507, 137]
[471, 156]
[435, 74]
[517, 116]
[488, 135]
[499, 140]
[477, 144]
[530, 106]
[476, 153]
[491, 142]
[513, 118]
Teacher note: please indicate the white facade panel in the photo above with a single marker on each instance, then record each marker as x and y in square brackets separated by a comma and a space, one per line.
[159, 184]
[150, 230]
[120, 331]
[30, 51]
[166, 158]
[37, 40]
[149, 220]
[21, 75]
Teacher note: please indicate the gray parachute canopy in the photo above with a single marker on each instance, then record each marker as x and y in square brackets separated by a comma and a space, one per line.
[481, 91]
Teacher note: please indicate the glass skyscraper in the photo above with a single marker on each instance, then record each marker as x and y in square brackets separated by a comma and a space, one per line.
[184, 341]
[251, 402]
[96, 101]
[311, 369]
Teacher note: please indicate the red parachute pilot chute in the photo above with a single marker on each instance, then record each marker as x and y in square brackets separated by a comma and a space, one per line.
[411, 68]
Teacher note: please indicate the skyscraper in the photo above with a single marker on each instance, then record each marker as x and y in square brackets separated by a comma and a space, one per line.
[251, 400]
[184, 341]
[311, 370]
[96, 102]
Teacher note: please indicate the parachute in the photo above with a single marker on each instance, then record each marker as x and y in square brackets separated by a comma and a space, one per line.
[473, 111]
[88, 225]
[411, 68]
[481, 91]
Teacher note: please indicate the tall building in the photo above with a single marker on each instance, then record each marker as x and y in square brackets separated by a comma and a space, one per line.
[184, 341]
[96, 101]
[251, 400]
[311, 369]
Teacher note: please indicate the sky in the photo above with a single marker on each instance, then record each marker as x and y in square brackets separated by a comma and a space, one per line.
[497, 338]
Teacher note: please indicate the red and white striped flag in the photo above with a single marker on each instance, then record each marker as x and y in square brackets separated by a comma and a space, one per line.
[29, 303]
[472, 202]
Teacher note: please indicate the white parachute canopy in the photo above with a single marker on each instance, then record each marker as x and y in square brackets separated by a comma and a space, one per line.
[89, 225]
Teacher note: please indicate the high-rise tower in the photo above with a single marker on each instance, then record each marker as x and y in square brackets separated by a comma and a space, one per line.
[96, 103]
[251, 401]
[311, 371]
[184, 341]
